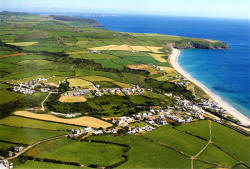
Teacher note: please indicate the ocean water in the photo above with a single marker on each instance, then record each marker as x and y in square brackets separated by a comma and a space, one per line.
[225, 72]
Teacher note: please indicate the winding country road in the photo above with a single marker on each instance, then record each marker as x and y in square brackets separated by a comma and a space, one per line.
[33, 145]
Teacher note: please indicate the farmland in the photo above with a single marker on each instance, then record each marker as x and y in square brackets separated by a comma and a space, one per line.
[59, 58]
[25, 135]
[93, 153]
[79, 82]
[71, 99]
[17, 121]
[81, 121]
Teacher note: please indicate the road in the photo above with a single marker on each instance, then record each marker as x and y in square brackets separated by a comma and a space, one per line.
[33, 145]
[42, 104]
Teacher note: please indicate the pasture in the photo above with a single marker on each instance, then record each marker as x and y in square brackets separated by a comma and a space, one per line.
[5, 146]
[158, 57]
[43, 165]
[86, 153]
[17, 121]
[75, 82]
[148, 68]
[81, 121]
[26, 135]
[23, 43]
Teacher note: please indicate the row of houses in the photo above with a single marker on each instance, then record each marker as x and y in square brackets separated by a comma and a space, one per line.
[66, 115]
[90, 130]
[23, 90]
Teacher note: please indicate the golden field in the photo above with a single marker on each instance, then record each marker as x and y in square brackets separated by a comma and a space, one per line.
[81, 121]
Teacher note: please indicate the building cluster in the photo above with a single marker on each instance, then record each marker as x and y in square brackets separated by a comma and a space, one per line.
[209, 104]
[5, 164]
[31, 86]
[89, 130]
[95, 52]
[140, 129]
[136, 90]
[66, 115]
[77, 92]
[157, 67]
[15, 150]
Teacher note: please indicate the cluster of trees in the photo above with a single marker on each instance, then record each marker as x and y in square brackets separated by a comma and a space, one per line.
[104, 105]
[169, 87]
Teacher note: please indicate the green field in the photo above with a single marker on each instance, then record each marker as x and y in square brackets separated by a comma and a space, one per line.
[216, 156]
[5, 146]
[232, 142]
[202, 125]
[31, 123]
[185, 143]
[81, 152]
[45, 165]
[25, 135]
[145, 154]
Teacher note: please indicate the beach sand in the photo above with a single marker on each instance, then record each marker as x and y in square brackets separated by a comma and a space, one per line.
[173, 59]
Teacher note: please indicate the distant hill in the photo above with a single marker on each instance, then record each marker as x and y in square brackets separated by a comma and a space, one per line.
[90, 22]
[68, 20]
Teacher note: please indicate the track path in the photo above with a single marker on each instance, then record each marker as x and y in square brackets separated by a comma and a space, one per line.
[42, 104]
[209, 142]
[33, 145]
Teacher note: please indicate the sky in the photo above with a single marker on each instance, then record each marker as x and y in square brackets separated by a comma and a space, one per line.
[199, 8]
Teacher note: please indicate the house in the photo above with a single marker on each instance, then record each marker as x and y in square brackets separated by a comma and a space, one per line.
[45, 90]
[18, 148]
[97, 132]
[87, 129]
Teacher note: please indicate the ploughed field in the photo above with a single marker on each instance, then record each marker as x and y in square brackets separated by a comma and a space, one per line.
[74, 57]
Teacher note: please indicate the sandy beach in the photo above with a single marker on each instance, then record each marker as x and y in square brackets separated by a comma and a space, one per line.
[173, 59]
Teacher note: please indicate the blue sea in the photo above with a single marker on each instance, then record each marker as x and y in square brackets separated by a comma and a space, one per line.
[225, 72]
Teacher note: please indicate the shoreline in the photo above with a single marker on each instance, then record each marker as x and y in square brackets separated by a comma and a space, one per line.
[173, 59]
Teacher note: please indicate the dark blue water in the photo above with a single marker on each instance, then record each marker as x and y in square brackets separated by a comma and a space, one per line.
[225, 72]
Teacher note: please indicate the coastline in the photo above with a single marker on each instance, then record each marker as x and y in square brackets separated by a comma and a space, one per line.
[173, 59]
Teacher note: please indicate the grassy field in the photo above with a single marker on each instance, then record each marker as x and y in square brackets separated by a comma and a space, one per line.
[9, 96]
[79, 82]
[148, 68]
[5, 146]
[23, 43]
[25, 135]
[97, 78]
[17, 121]
[81, 152]
[45, 165]
[81, 121]
[216, 156]
[158, 57]
[106, 79]
[202, 125]
[145, 154]
[232, 142]
[185, 143]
